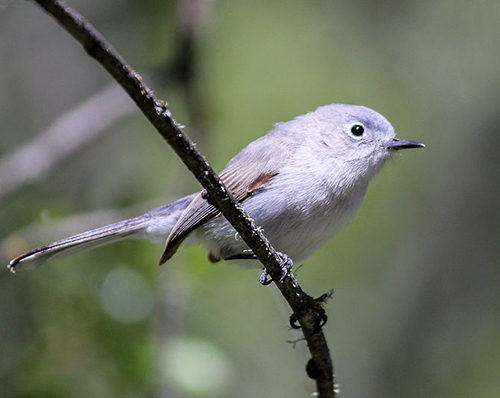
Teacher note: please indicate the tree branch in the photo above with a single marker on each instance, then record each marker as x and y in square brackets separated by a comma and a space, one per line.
[306, 311]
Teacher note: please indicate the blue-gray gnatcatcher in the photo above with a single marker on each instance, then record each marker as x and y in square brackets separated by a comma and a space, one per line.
[301, 183]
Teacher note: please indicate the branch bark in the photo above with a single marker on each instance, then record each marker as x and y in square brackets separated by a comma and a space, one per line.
[306, 311]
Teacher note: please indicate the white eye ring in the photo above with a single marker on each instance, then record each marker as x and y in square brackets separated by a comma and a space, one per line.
[356, 130]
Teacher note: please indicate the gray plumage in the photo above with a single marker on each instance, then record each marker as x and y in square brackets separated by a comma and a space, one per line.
[302, 183]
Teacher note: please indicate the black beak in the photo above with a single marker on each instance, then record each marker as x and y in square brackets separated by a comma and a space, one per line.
[396, 144]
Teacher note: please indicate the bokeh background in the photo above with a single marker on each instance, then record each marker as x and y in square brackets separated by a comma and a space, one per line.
[416, 275]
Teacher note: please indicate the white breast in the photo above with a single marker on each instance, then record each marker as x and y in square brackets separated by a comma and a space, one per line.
[297, 223]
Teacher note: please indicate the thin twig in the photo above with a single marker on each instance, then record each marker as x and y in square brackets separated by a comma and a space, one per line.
[320, 366]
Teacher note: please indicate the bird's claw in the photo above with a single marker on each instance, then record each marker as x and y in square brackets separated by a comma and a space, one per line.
[264, 281]
[286, 265]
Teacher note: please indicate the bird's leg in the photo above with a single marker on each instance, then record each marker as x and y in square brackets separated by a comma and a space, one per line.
[285, 262]
[242, 256]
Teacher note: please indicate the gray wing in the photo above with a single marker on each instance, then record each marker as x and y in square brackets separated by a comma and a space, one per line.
[246, 174]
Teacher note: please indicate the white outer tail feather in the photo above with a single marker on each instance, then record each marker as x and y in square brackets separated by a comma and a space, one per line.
[154, 225]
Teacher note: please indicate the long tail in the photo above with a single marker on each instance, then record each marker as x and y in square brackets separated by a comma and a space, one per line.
[154, 225]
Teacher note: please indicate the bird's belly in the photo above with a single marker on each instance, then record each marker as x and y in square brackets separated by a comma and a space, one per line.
[292, 231]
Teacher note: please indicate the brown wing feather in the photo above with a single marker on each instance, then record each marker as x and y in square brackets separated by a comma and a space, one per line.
[200, 211]
[242, 178]
[197, 213]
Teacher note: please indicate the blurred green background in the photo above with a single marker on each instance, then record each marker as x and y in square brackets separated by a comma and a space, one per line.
[416, 275]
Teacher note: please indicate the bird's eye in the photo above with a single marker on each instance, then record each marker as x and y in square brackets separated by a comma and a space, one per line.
[356, 130]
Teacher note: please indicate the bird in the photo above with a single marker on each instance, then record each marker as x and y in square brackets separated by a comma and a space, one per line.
[301, 183]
